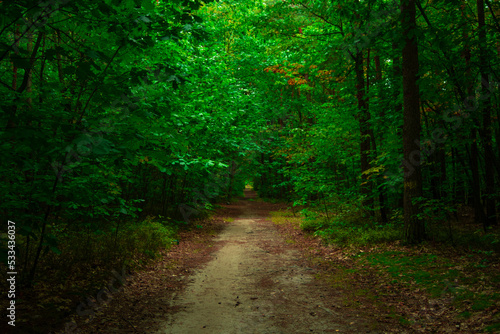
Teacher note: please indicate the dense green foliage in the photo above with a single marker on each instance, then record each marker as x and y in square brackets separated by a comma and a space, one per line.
[110, 109]
[332, 73]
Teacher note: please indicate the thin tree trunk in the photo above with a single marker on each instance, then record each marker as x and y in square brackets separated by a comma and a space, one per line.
[363, 118]
[486, 129]
[380, 184]
[397, 73]
[479, 215]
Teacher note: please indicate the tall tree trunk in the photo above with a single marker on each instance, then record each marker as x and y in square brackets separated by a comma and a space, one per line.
[363, 118]
[479, 215]
[486, 129]
[398, 107]
[380, 184]
[414, 226]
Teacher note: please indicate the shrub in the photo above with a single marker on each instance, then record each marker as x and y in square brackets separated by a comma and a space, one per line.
[150, 236]
[349, 226]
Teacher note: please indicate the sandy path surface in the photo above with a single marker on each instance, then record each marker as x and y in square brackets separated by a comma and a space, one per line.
[258, 283]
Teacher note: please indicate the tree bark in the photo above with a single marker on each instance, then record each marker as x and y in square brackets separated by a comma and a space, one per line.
[479, 215]
[364, 131]
[397, 109]
[379, 183]
[414, 226]
[486, 129]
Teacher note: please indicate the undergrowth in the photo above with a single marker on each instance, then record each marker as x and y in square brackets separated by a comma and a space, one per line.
[468, 288]
[457, 267]
[349, 227]
[86, 259]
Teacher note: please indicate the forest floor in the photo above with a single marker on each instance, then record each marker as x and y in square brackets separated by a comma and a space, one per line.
[239, 273]
[245, 271]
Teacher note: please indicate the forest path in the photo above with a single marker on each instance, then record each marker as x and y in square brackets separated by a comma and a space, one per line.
[257, 282]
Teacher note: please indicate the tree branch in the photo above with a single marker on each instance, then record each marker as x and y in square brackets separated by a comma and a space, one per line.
[488, 3]
[319, 16]
[25, 32]
[97, 86]
[32, 63]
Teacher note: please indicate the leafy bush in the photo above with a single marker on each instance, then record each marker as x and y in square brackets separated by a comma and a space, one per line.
[111, 245]
[311, 221]
[349, 226]
[151, 236]
[476, 240]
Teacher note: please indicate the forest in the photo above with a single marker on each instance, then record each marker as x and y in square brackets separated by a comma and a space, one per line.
[125, 122]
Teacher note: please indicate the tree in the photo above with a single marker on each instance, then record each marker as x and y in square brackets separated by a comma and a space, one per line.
[486, 130]
[414, 226]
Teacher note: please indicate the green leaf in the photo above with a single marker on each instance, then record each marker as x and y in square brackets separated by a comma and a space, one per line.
[144, 19]
[55, 250]
[103, 147]
[148, 5]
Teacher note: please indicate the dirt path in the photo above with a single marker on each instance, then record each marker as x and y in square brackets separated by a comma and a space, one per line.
[257, 283]
[240, 276]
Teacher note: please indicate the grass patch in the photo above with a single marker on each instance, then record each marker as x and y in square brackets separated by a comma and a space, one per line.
[495, 328]
[437, 275]
[342, 235]
[284, 217]
[403, 321]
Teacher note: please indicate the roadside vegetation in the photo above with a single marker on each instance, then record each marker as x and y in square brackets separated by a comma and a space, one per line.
[447, 283]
